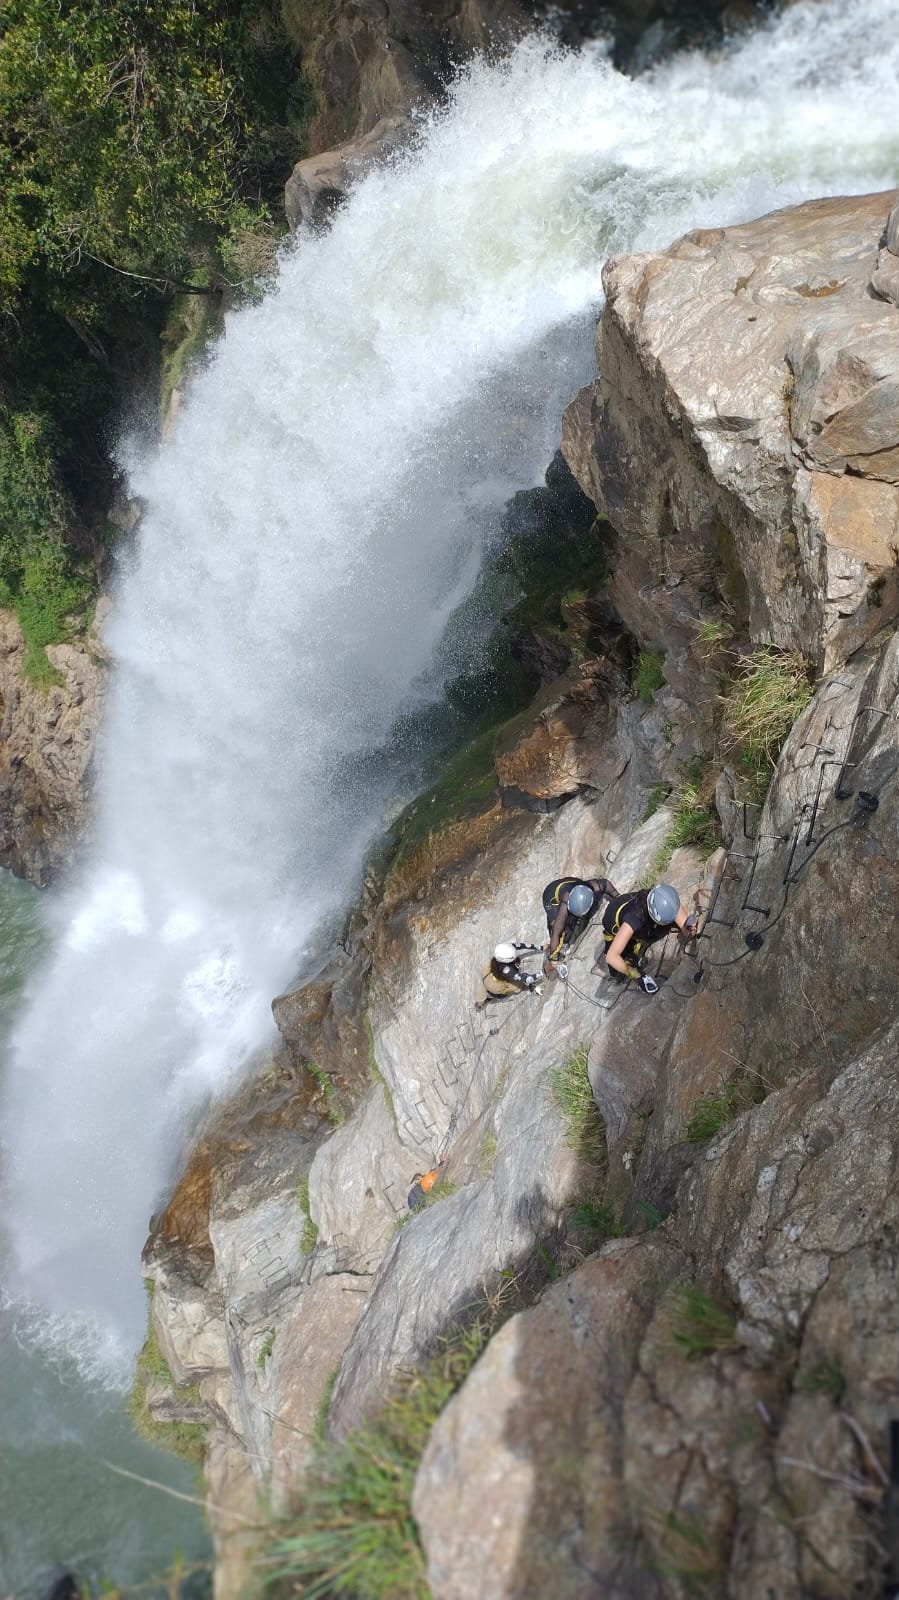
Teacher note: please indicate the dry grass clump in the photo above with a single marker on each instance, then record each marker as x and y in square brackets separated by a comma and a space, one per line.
[769, 691]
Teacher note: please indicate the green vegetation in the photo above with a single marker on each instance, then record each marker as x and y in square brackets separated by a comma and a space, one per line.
[323, 1410]
[573, 1096]
[687, 1554]
[143, 149]
[649, 674]
[769, 691]
[712, 634]
[468, 781]
[309, 1235]
[265, 1349]
[184, 1439]
[354, 1534]
[824, 1377]
[554, 550]
[656, 798]
[700, 1324]
[695, 821]
[441, 1190]
[486, 1157]
[713, 1111]
[326, 1084]
[651, 1214]
[43, 581]
[598, 1220]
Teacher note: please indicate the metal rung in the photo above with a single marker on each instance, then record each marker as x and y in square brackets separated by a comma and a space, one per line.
[861, 711]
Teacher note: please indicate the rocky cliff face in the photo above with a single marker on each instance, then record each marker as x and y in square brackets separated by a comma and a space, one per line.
[705, 1403]
[47, 734]
[707, 1407]
[746, 416]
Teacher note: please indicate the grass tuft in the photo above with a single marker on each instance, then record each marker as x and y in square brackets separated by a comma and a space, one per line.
[825, 1377]
[309, 1235]
[570, 1086]
[701, 1324]
[184, 1439]
[265, 1349]
[442, 1190]
[598, 1219]
[656, 798]
[770, 690]
[694, 821]
[651, 1215]
[713, 1111]
[486, 1157]
[335, 1114]
[324, 1407]
[649, 674]
[687, 1554]
[354, 1534]
[712, 634]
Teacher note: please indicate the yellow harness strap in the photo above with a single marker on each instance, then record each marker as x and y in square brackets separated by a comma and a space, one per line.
[616, 929]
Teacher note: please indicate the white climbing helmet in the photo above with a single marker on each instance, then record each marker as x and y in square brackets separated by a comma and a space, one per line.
[663, 903]
[505, 952]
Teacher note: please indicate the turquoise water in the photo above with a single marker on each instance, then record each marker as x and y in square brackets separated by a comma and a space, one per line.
[61, 1509]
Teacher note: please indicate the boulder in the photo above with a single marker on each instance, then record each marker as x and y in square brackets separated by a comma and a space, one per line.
[521, 1490]
[319, 184]
[746, 418]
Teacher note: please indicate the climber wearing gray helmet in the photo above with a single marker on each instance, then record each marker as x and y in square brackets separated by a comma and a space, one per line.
[634, 921]
[569, 904]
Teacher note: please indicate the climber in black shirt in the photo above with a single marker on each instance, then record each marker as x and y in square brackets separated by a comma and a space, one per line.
[569, 904]
[632, 922]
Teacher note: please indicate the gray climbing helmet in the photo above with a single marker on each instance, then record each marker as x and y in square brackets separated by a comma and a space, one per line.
[663, 903]
[580, 900]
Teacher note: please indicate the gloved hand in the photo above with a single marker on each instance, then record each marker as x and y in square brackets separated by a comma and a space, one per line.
[537, 989]
[648, 984]
[692, 922]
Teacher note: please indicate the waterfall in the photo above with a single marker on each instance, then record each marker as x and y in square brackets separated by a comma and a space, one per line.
[319, 514]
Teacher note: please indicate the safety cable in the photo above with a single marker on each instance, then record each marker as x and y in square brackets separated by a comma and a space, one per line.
[454, 1119]
[758, 933]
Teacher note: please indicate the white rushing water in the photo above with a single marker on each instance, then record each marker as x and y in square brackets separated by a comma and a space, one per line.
[320, 512]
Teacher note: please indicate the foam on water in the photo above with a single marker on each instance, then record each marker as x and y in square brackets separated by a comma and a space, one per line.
[318, 516]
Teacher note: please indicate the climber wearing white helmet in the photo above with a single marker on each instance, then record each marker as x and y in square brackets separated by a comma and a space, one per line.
[634, 921]
[505, 974]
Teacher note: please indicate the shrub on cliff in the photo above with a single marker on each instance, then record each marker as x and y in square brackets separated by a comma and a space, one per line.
[770, 690]
[354, 1533]
[136, 138]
